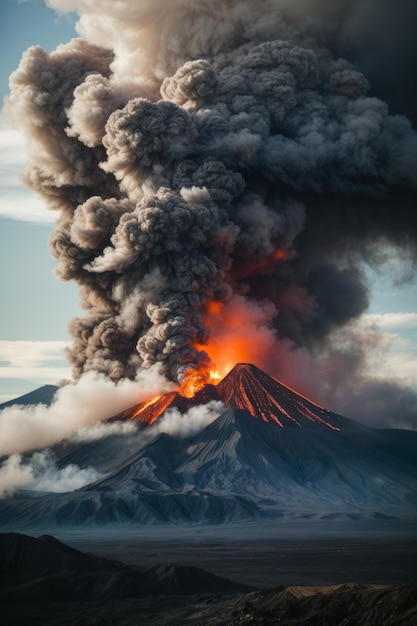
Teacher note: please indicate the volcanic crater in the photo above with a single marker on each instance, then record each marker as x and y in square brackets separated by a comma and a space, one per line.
[248, 388]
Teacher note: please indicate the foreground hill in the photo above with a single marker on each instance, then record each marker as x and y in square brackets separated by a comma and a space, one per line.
[44, 581]
[46, 570]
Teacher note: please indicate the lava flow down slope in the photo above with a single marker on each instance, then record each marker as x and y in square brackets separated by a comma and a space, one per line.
[248, 388]
[271, 454]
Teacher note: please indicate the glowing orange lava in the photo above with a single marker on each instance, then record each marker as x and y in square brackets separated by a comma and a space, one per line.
[196, 380]
[240, 332]
[266, 264]
[144, 405]
[282, 254]
[214, 307]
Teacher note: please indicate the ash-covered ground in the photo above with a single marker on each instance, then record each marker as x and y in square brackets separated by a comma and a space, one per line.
[305, 552]
[306, 572]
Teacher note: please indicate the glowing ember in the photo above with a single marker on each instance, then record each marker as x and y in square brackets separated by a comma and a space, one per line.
[196, 380]
[282, 254]
[246, 388]
[144, 405]
[248, 267]
[214, 307]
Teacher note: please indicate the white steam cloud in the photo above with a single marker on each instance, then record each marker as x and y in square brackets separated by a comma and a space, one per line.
[93, 398]
[39, 472]
[187, 424]
[104, 429]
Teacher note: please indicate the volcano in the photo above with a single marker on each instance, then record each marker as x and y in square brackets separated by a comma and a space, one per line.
[248, 388]
[271, 454]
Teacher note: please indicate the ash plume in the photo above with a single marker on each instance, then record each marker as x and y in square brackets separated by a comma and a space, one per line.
[214, 152]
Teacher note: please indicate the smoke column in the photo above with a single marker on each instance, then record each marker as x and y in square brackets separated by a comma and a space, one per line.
[214, 163]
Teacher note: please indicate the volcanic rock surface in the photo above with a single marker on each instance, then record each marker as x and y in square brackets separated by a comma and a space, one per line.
[45, 569]
[149, 411]
[272, 454]
[43, 581]
[248, 388]
[42, 395]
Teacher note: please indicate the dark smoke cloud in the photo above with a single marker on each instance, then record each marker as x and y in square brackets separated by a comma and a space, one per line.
[379, 37]
[219, 151]
[377, 401]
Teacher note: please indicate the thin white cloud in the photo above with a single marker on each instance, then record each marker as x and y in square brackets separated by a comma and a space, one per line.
[403, 365]
[389, 347]
[37, 362]
[35, 375]
[17, 202]
[392, 320]
[394, 354]
[396, 350]
[5, 397]
[399, 359]
[21, 205]
[29, 353]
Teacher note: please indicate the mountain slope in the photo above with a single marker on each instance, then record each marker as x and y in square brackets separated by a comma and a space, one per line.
[44, 581]
[272, 454]
[46, 570]
[148, 411]
[241, 468]
[42, 395]
[247, 387]
[237, 455]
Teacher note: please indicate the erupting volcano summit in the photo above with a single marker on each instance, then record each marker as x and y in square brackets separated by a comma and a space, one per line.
[248, 388]
[223, 181]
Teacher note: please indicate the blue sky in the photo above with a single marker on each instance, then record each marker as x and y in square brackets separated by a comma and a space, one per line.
[36, 307]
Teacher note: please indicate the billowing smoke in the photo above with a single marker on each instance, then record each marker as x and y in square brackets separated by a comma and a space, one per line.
[188, 424]
[101, 430]
[39, 472]
[212, 155]
[75, 408]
